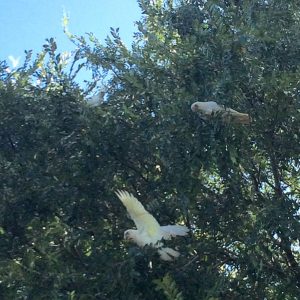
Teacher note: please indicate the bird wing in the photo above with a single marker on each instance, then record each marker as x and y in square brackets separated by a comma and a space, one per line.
[169, 231]
[212, 106]
[143, 220]
[238, 117]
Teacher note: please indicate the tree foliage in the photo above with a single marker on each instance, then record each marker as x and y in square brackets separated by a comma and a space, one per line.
[236, 187]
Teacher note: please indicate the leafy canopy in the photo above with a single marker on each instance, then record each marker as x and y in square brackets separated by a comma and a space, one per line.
[236, 187]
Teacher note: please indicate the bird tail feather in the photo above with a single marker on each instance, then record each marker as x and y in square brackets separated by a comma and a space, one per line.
[236, 117]
[243, 118]
[168, 254]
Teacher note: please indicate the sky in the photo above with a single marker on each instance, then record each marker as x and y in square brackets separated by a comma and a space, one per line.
[25, 24]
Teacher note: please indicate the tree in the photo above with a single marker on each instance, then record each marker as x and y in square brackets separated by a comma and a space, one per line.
[235, 186]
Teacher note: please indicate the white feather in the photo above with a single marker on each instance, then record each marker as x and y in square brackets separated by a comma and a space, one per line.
[174, 230]
[149, 232]
[168, 254]
[206, 109]
[14, 61]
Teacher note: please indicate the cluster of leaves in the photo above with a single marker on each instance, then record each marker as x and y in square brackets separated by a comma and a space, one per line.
[236, 187]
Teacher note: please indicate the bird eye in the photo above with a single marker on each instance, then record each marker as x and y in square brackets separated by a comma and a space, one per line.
[195, 107]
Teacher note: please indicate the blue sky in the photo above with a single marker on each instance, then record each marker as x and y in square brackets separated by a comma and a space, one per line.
[25, 24]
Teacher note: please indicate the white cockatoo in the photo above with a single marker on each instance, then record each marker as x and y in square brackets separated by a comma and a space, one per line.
[97, 99]
[14, 61]
[148, 231]
[207, 109]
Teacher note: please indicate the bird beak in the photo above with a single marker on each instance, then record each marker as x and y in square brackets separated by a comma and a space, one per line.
[127, 237]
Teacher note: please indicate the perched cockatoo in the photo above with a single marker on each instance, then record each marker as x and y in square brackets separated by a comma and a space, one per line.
[97, 99]
[149, 232]
[206, 109]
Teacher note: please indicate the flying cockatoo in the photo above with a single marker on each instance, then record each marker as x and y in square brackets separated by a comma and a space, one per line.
[14, 61]
[207, 109]
[148, 231]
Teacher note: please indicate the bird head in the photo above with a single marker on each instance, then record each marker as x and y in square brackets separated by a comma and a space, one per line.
[129, 235]
[196, 106]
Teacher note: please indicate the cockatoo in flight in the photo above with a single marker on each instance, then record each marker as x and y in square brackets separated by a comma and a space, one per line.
[206, 109]
[149, 232]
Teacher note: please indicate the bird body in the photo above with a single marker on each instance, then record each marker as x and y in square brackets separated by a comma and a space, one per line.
[207, 109]
[96, 99]
[148, 231]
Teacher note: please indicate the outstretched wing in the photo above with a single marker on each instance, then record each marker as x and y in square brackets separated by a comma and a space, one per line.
[143, 220]
[174, 230]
